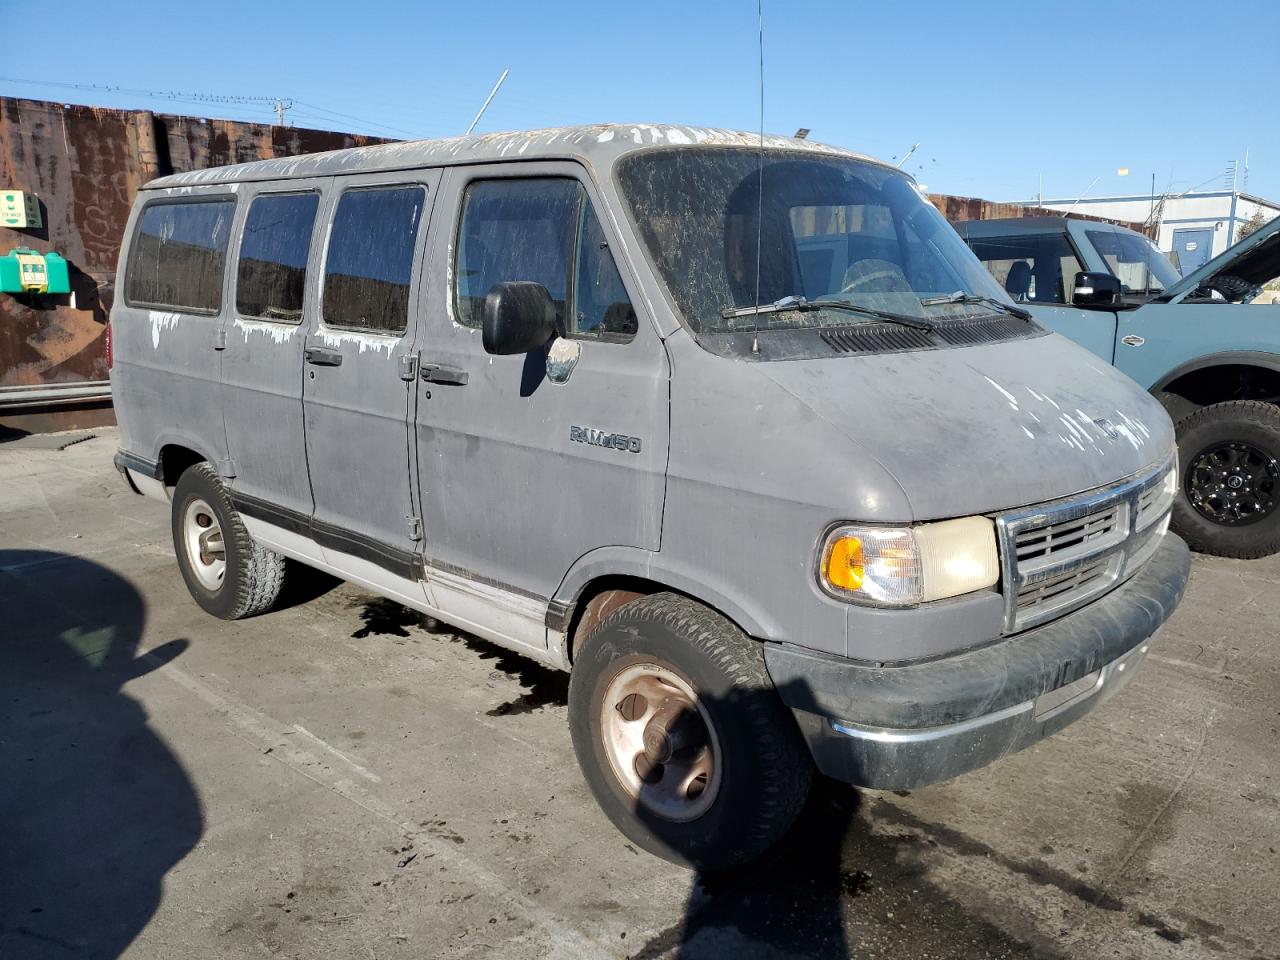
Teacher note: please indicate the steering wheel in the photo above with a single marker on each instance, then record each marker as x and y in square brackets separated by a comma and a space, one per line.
[875, 276]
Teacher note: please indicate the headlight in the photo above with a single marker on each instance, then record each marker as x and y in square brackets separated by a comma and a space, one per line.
[903, 566]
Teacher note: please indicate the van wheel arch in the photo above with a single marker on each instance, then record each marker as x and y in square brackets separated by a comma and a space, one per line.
[175, 460]
[603, 596]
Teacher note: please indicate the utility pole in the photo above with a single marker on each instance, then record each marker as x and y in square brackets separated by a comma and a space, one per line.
[280, 109]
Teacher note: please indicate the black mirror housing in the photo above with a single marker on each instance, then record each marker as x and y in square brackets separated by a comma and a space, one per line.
[519, 316]
[1096, 290]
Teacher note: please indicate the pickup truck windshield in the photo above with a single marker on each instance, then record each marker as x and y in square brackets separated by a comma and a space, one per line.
[834, 228]
[1136, 262]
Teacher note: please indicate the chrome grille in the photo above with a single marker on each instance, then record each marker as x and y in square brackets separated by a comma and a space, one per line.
[1046, 591]
[1058, 556]
[1057, 538]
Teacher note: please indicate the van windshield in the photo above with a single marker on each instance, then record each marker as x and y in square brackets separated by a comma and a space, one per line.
[834, 228]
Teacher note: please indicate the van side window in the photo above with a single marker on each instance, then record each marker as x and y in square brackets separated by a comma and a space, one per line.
[272, 270]
[1032, 268]
[370, 258]
[178, 255]
[514, 230]
[544, 230]
[601, 305]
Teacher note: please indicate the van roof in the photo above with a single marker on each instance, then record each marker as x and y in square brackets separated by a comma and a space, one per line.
[594, 145]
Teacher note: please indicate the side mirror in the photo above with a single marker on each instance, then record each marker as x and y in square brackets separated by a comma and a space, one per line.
[1096, 290]
[519, 316]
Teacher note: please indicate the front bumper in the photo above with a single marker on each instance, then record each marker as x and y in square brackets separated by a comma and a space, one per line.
[901, 727]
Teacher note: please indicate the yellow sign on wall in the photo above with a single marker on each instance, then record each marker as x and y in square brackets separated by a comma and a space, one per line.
[32, 273]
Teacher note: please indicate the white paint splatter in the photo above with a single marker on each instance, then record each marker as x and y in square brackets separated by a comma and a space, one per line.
[278, 332]
[160, 321]
[363, 341]
[1028, 433]
[1013, 401]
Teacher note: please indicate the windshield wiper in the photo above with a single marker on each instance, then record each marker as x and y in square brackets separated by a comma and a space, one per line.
[804, 305]
[961, 297]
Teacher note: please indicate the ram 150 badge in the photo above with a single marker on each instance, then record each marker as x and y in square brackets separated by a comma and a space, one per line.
[598, 438]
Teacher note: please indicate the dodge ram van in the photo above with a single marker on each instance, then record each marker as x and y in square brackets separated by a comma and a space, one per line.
[1205, 345]
[736, 430]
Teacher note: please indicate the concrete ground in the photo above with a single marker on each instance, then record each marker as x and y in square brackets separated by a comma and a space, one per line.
[337, 780]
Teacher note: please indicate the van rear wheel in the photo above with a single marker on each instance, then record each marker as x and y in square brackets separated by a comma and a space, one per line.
[227, 573]
[1229, 503]
[681, 736]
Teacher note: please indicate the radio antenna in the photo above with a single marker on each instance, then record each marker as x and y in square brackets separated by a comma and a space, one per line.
[487, 100]
[755, 317]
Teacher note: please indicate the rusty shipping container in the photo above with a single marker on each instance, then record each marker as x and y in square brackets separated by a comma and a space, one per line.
[85, 164]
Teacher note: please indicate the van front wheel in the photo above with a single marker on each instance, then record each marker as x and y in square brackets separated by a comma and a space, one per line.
[228, 574]
[681, 736]
[1230, 498]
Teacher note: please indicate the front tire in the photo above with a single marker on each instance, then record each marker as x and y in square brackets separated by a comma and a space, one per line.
[228, 574]
[1229, 504]
[681, 736]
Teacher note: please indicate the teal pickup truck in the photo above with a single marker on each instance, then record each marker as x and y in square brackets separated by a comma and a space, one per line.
[1203, 344]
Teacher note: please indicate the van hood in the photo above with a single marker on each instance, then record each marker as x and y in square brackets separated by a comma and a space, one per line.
[980, 429]
[1255, 259]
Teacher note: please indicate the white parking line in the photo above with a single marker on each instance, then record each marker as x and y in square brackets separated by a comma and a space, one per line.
[367, 774]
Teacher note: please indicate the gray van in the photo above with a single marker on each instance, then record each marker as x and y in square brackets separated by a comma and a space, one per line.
[737, 430]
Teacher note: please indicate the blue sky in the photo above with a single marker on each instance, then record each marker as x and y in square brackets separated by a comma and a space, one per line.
[997, 94]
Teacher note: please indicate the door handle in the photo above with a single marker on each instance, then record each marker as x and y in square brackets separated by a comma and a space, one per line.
[323, 357]
[442, 373]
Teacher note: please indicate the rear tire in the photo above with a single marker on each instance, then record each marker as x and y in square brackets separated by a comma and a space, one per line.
[1229, 456]
[228, 574]
[731, 772]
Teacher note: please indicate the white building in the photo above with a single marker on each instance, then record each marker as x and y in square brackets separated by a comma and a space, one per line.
[1193, 227]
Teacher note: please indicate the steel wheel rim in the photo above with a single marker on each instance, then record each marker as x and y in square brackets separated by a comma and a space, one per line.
[203, 541]
[1233, 484]
[661, 742]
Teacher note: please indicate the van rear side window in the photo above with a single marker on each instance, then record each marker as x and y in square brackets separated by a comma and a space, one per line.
[272, 270]
[178, 255]
[370, 258]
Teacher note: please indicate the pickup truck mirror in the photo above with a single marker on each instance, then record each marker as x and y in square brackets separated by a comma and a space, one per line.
[1096, 290]
[519, 316]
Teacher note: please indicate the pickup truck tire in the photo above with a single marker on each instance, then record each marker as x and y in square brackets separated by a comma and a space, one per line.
[681, 736]
[1229, 456]
[228, 574]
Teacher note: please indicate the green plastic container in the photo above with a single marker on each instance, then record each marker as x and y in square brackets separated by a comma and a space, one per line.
[27, 271]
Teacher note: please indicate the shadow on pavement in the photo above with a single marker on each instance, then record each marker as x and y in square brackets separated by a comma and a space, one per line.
[842, 883]
[94, 808]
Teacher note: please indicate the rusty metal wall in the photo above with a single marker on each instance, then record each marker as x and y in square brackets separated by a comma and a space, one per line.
[85, 164]
[971, 208]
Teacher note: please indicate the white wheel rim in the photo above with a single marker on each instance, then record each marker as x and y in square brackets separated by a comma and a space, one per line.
[682, 783]
[206, 550]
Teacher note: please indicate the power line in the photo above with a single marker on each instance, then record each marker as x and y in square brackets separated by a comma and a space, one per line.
[261, 105]
[156, 94]
[355, 119]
